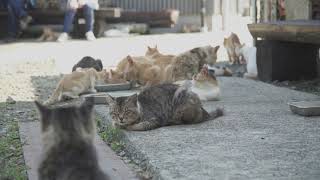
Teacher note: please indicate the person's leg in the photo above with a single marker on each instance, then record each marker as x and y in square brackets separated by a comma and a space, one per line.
[18, 8]
[89, 17]
[68, 20]
[12, 23]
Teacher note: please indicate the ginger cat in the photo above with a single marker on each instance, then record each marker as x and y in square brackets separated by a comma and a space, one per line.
[76, 83]
[157, 58]
[230, 44]
[204, 84]
[122, 65]
[48, 35]
[114, 77]
[189, 63]
[144, 73]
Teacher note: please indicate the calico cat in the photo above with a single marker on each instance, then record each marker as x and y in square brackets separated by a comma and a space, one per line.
[89, 62]
[230, 45]
[204, 84]
[48, 35]
[189, 63]
[158, 106]
[249, 55]
[76, 83]
[68, 150]
[157, 58]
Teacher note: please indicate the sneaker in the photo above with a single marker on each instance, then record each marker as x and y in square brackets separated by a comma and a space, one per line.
[25, 21]
[90, 36]
[63, 37]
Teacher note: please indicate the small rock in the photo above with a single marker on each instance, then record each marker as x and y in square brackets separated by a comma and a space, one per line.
[10, 100]
[122, 153]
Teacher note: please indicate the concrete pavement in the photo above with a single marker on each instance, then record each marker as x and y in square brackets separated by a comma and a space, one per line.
[258, 138]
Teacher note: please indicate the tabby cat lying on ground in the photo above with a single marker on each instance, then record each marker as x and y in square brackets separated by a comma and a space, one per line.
[157, 106]
[204, 84]
[68, 150]
[189, 63]
[76, 83]
[88, 62]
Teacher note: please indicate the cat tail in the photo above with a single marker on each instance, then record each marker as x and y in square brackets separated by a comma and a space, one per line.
[55, 96]
[214, 114]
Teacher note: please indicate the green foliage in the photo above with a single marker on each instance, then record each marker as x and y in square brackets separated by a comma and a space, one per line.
[110, 135]
[12, 165]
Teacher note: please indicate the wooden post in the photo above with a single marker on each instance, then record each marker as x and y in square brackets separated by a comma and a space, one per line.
[202, 16]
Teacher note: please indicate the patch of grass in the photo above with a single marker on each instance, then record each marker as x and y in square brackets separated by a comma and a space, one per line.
[12, 164]
[110, 135]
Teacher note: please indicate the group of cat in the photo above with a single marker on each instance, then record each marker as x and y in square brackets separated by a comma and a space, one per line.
[193, 67]
[174, 87]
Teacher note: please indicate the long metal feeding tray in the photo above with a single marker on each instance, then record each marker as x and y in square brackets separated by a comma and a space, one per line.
[113, 87]
[305, 108]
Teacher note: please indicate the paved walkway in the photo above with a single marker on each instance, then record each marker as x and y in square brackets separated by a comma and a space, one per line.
[258, 138]
[108, 160]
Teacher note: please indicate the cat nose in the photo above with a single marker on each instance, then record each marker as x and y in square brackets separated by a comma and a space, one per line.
[121, 119]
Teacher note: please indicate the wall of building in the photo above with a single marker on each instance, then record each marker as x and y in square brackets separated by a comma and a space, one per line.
[298, 9]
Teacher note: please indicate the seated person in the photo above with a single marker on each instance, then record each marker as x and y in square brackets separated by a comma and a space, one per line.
[18, 19]
[88, 7]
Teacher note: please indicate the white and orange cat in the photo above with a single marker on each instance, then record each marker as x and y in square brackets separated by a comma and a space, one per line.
[76, 83]
[204, 84]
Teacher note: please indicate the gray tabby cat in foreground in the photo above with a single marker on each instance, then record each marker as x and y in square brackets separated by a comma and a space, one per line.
[157, 106]
[68, 150]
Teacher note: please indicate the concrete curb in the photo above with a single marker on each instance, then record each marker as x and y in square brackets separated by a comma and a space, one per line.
[108, 160]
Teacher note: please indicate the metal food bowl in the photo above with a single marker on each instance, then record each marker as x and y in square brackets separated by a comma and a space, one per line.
[305, 108]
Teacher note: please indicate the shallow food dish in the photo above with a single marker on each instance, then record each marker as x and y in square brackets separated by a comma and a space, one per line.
[113, 87]
[305, 108]
[99, 98]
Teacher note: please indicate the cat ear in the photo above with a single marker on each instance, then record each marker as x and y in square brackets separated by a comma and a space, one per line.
[132, 99]
[44, 115]
[156, 47]
[110, 100]
[130, 60]
[149, 48]
[216, 49]
[87, 105]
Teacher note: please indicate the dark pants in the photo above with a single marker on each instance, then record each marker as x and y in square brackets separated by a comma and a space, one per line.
[16, 11]
[69, 17]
